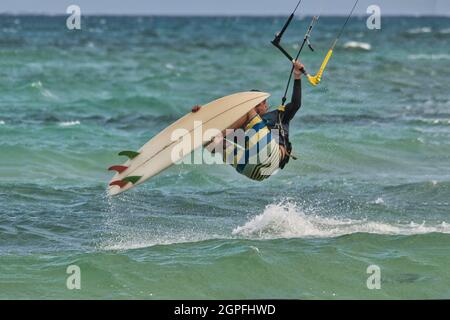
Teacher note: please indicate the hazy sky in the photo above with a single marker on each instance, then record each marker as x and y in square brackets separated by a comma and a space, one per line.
[224, 7]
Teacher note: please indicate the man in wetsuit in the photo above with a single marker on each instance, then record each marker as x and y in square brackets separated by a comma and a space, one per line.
[259, 126]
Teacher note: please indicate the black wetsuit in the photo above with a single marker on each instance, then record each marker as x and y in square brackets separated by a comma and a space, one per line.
[272, 118]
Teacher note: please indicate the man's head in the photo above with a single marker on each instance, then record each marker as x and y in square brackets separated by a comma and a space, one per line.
[262, 107]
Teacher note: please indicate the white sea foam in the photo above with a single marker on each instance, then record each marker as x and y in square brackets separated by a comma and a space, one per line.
[69, 123]
[2, 122]
[45, 92]
[289, 221]
[170, 66]
[379, 201]
[358, 45]
[420, 30]
[36, 84]
[441, 121]
[422, 56]
[136, 240]
[130, 244]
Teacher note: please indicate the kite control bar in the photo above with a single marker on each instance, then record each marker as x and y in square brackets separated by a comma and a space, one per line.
[313, 80]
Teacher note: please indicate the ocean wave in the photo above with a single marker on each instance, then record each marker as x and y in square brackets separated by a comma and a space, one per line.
[69, 123]
[433, 121]
[155, 230]
[289, 221]
[136, 102]
[423, 56]
[358, 45]
[349, 118]
[9, 30]
[379, 201]
[125, 239]
[127, 242]
[43, 91]
[169, 66]
[420, 30]
[12, 42]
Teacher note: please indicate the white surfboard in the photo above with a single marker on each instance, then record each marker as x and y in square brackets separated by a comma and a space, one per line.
[157, 154]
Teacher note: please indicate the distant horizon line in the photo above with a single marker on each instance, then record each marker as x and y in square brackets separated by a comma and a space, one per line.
[186, 15]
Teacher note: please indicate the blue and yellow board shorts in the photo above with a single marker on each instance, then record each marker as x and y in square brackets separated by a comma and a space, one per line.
[260, 158]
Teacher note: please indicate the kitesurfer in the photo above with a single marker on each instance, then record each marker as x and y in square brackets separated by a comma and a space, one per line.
[267, 147]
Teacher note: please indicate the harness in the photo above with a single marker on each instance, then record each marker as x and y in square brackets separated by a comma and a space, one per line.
[285, 135]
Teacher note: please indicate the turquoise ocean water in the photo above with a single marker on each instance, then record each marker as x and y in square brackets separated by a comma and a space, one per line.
[371, 186]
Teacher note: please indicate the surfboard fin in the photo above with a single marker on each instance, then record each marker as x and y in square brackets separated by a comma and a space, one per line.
[132, 179]
[119, 169]
[119, 183]
[129, 154]
[122, 183]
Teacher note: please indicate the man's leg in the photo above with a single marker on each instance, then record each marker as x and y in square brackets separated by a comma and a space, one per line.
[283, 151]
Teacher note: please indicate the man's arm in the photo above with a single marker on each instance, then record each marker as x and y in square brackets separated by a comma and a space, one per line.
[296, 102]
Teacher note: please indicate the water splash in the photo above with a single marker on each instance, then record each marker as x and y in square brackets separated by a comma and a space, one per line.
[290, 221]
[379, 201]
[121, 233]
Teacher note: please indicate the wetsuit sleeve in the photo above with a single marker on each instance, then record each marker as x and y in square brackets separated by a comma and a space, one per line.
[296, 102]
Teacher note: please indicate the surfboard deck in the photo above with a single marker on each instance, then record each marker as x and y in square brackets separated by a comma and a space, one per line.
[158, 153]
